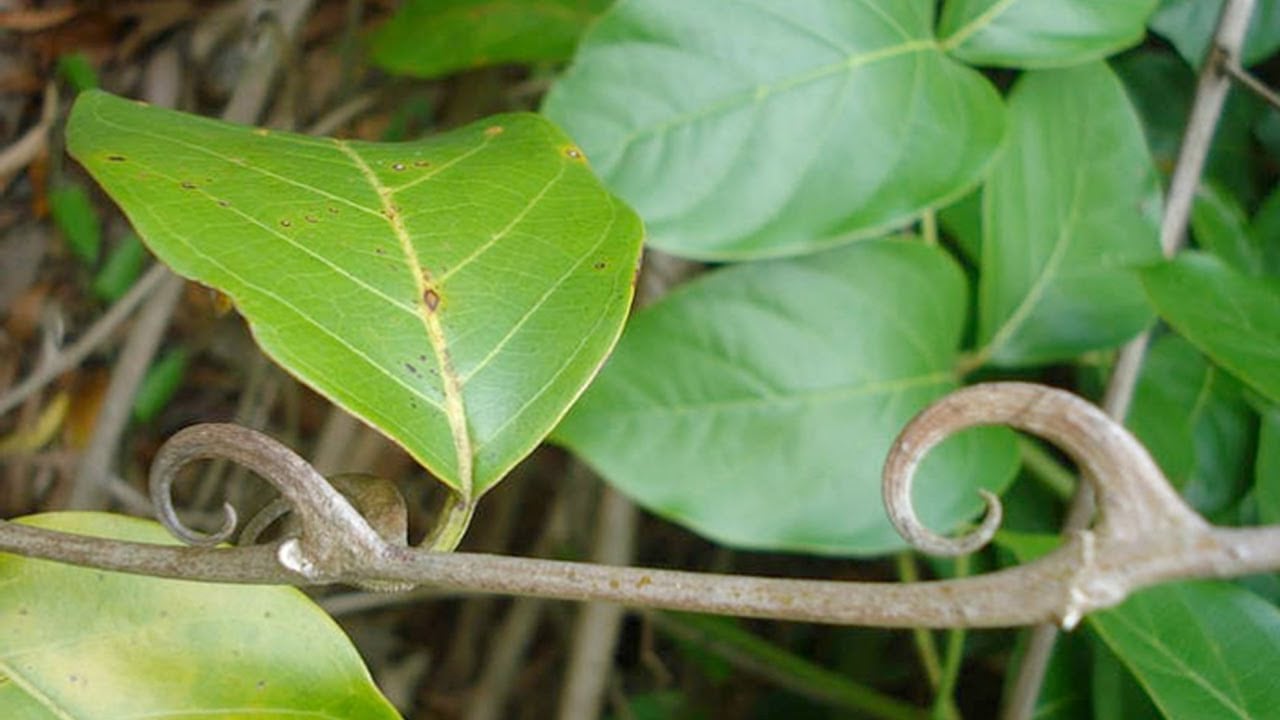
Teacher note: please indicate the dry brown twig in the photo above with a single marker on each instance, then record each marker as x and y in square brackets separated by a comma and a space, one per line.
[1147, 535]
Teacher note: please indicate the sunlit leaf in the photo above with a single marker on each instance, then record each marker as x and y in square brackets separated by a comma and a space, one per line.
[743, 129]
[83, 643]
[1070, 207]
[1229, 316]
[456, 292]
[429, 38]
[1041, 33]
[756, 405]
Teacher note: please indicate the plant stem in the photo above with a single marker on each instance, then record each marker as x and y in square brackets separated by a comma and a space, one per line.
[929, 227]
[451, 524]
[1044, 467]
[944, 706]
[746, 651]
[926, 648]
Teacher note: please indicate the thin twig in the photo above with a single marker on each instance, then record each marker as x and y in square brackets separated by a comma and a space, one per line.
[595, 633]
[93, 338]
[1211, 94]
[1259, 88]
[33, 141]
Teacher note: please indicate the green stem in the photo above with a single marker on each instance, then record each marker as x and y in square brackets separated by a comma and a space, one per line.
[451, 524]
[926, 648]
[749, 652]
[944, 706]
[1044, 467]
[929, 227]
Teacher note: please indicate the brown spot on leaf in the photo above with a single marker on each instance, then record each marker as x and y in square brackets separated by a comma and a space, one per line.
[311, 218]
[600, 265]
[261, 132]
[224, 203]
[431, 299]
[574, 153]
[411, 368]
[421, 163]
[188, 185]
[286, 223]
[493, 131]
[398, 166]
[332, 210]
[115, 158]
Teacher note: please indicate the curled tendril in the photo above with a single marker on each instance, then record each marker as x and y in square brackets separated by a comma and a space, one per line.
[1132, 492]
[332, 533]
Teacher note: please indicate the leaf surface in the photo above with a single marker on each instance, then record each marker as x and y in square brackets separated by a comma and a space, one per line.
[756, 404]
[1194, 419]
[742, 129]
[430, 38]
[1202, 649]
[84, 643]
[1072, 203]
[1041, 33]
[1229, 316]
[456, 292]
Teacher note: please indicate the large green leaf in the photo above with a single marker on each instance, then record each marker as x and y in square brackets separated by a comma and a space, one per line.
[1195, 421]
[740, 128]
[756, 405]
[429, 38]
[1229, 316]
[456, 293]
[1071, 204]
[1189, 25]
[1202, 650]
[1265, 231]
[1041, 33]
[82, 643]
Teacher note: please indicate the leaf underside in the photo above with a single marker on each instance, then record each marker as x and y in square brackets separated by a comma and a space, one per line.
[456, 292]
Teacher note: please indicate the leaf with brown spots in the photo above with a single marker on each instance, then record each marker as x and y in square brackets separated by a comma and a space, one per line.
[448, 291]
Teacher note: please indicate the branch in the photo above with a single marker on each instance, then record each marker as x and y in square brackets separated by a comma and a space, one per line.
[1147, 535]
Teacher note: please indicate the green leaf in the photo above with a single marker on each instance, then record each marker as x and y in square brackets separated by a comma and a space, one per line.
[1265, 230]
[1201, 650]
[75, 216]
[1189, 25]
[122, 267]
[1041, 33]
[741, 129]
[1072, 202]
[88, 643]
[456, 292]
[1267, 468]
[1229, 316]
[1220, 226]
[962, 219]
[756, 404]
[79, 73]
[159, 384]
[1195, 421]
[429, 38]
[1116, 692]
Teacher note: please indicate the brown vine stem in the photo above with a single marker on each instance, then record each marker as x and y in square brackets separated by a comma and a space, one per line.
[1211, 94]
[1147, 536]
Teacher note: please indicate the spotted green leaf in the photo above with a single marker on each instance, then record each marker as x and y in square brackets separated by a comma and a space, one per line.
[456, 292]
[744, 129]
[82, 643]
